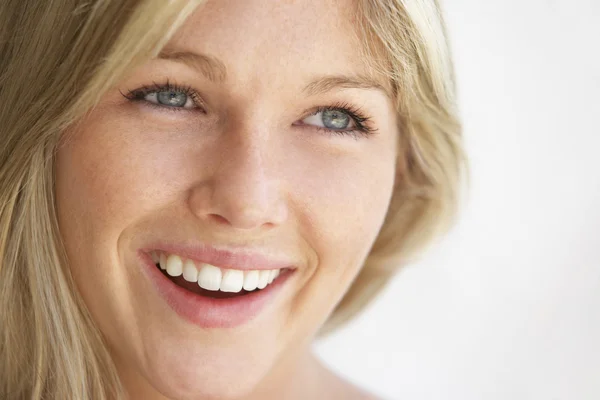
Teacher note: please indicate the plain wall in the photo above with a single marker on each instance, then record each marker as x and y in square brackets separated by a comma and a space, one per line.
[507, 306]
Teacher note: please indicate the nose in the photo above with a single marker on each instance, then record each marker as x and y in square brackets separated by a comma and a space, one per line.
[242, 190]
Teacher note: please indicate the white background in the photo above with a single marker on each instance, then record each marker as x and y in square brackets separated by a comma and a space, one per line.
[508, 305]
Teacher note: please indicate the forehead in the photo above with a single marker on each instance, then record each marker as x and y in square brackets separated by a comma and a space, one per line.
[276, 38]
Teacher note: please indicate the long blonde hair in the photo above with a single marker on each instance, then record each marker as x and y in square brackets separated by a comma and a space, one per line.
[58, 58]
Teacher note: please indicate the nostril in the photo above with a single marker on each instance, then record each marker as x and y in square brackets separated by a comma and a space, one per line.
[242, 208]
[219, 219]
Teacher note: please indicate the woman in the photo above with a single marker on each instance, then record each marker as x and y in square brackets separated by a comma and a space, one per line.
[191, 191]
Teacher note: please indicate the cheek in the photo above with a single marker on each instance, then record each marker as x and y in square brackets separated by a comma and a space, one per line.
[110, 174]
[347, 202]
[349, 199]
[106, 179]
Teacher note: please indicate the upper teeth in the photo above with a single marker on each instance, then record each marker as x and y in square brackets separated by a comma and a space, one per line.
[214, 278]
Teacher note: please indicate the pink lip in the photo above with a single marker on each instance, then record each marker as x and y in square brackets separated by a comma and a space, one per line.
[242, 260]
[207, 312]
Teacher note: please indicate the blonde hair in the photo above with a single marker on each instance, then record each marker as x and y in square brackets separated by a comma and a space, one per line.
[57, 59]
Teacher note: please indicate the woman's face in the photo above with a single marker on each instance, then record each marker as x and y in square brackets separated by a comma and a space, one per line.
[273, 148]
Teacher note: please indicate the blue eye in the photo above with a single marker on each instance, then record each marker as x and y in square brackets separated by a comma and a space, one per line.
[167, 96]
[340, 119]
[331, 119]
[170, 98]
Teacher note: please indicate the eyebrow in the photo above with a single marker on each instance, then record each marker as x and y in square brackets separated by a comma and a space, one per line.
[330, 82]
[208, 66]
[215, 70]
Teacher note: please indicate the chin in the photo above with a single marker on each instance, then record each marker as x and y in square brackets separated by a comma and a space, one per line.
[193, 367]
[206, 378]
[190, 343]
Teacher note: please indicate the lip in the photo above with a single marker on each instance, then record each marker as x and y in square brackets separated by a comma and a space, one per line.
[223, 258]
[207, 312]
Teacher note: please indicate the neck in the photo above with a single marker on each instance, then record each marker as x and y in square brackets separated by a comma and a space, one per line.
[300, 377]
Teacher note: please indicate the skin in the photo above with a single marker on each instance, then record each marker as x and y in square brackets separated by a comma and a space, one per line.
[251, 169]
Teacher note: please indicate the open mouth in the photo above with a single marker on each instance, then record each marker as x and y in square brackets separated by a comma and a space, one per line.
[211, 281]
[210, 296]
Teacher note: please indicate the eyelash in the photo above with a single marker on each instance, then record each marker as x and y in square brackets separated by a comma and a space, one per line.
[360, 120]
[138, 95]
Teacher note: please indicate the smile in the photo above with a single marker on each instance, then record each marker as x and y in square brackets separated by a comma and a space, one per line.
[211, 293]
[211, 277]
